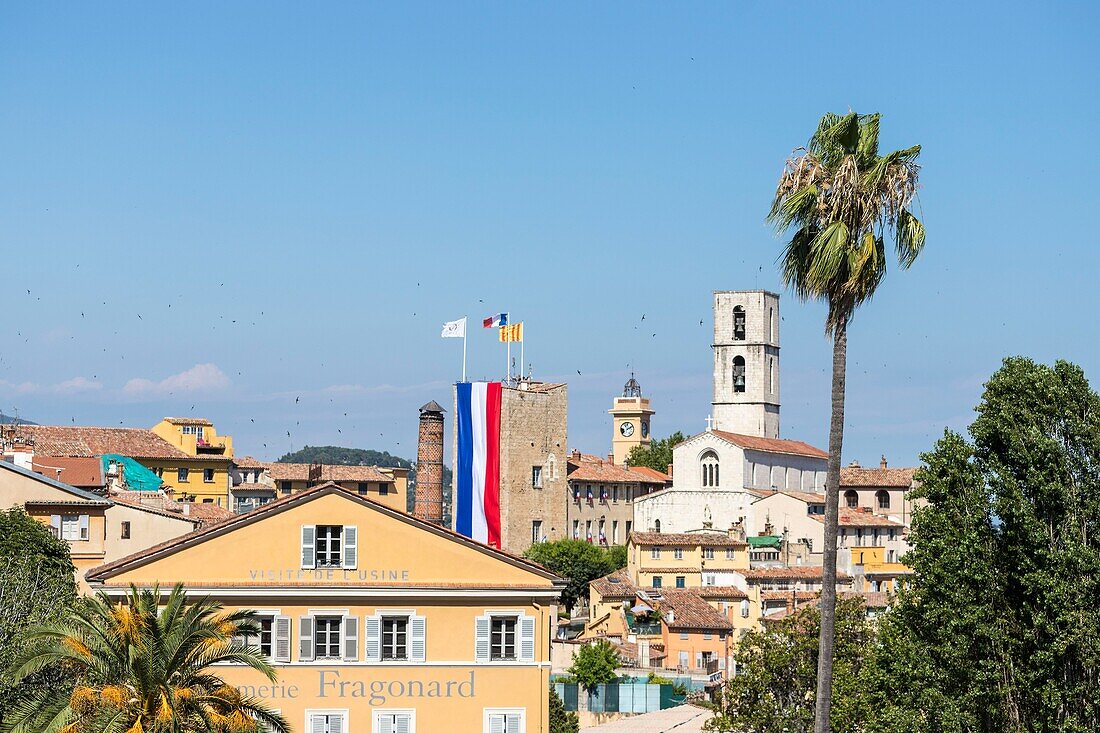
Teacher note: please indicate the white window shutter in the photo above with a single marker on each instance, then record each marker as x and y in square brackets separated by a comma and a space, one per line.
[481, 639]
[282, 638]
[55, 522]
[336, 723]
[402, 723]
[351, 546]
[309, 546]
[385, 723]
[317, 724]
[512, 723]
[496, 723]
[351, 638]
[526, 638]
[83, 526]
[373, 633]
[416, 638]
[305, 639]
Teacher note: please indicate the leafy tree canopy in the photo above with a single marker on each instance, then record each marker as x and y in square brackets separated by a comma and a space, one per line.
[657, 455]
[577, 561]
[561, 721]
[595, 664]
[332, 455]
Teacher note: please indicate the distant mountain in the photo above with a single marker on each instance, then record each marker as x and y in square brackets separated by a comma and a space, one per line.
[332, 455]
[9, 420]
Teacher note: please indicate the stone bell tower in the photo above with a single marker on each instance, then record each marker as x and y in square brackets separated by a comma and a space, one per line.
[746, 362]
[630, 416]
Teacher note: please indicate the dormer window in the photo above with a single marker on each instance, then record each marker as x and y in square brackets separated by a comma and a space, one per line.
[329, 546]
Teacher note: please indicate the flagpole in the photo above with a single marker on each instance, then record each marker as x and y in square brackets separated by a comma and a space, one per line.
[465, 327]
[508, 358]
[522, 367]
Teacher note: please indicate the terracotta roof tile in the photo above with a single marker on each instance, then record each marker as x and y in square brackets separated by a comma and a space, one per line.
[771, 445]
[876, 477]
[685, 539]
[614, 586]
[82, 472]
[249, 462]
[189, 421]
[721, 592]
[652, 473]
[690, 611]
[593, 468]
[802, 572]
[90, 442]
[300, 472]
[858, 518]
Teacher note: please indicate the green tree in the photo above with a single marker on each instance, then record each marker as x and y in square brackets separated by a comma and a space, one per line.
[36, 587]
[774, 688]
[841, 199]
[561, 721]
[143, 668]
[1000, 630]
[577, 561]
[616, 557]
[595, 664]
[657, 455]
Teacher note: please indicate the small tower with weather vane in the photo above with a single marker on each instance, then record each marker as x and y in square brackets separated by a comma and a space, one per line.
[630, 416]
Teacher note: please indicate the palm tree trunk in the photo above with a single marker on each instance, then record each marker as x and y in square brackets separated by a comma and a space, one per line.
[827, 642]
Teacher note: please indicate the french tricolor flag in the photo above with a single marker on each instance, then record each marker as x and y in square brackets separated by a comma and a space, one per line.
[500, 319]
[477, 479]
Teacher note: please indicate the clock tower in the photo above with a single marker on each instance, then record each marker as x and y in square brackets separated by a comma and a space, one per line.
[630, 416]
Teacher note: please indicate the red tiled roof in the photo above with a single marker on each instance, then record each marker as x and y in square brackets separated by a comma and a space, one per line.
[249, 462]
[189, 421]
[809, 498]
[801, 572]
[593, 468]
[771, 445]
[877, 477]
[89, 442]
[721, 592]
[690, 611]
[80, 472]
[786, 595]
[685, 539]
[652, 473]
[200, 513]
[300, 472]
[859, 518]
[614, 585]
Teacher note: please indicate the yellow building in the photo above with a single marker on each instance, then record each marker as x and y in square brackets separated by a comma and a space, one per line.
[389, 486]
[194, 436]
[630, 416]
[684, 560]
[97, 529]
[374, 620]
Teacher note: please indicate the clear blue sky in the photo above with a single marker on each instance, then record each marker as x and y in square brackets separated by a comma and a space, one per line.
[300, 197]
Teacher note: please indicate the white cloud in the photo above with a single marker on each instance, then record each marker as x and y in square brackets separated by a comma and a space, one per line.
[76, 385]
[199, 378]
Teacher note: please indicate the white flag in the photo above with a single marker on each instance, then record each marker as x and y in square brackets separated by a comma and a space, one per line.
[454, 329]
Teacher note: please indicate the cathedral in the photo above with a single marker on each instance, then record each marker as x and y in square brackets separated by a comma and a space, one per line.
[719, 473]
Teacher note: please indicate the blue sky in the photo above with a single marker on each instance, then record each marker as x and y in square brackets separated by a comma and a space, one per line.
[262, 213]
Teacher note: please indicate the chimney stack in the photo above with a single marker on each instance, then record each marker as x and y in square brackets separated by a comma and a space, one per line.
[428, 497]
[882, 462]
[611, 458]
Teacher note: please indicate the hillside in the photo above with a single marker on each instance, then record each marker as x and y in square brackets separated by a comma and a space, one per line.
[332, 455]
[9, 420]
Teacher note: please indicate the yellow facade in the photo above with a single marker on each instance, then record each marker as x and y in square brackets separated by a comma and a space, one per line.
[194, 437]
[452, 594]
[674, 558]
[208, 480]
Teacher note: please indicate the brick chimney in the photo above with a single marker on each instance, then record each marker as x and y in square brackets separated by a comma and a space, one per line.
[882, 462]
[428, 496]
[611, 458]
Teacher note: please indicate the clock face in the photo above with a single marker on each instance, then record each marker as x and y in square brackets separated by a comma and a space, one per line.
[627, 429]
[645, 429]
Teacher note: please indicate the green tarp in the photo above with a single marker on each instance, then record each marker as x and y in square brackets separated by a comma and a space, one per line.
[766, 541]
[135, 476]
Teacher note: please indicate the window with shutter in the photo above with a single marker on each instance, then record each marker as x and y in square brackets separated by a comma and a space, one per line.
[373, 634]
[309, 546]
[329, 721]
[417, 638]
[508, 720]
[305, 639]
[351, 638]
[84, 526]
[351, 549]
[394, 721]
[282, 638]
[527, 639]
[481, 639]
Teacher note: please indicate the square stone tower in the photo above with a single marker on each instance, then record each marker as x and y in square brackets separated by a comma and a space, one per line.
[746, 362]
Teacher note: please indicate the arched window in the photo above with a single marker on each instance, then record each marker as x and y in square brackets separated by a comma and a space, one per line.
[851, 499]
[768, 330]
[883, 498]
[738, 374]
[656, 525]
[710, 469]
[738, 323]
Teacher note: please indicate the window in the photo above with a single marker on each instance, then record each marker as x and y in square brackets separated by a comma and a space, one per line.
[504, 720]
[678, 553]
[536, 531]
[207, 501]
[200, 431]
[738, 374]
[614, 531]
[708, 553]
[284, 486]
[771, 373]
[395, 631]
[614, 494]
[890, 556]
[329, 546]
[208, 475]
[181, 475]
[384, 489]
[657, 580]
[263, 641]
[362, 487]
[576, 529]
[683, 660]
[684, 636]
[708, 636]
[738, 323]
[629, 526]
[851, 499]
[125, 530]
[892, 535]
[394, 721]
[681, 581]
[326, 637]
[883, 498]
[709, 464]
[502, 638]
[327, 722]
[744, 609]
[729, 553]
[655, 553]
[71, 527]
[536, 477]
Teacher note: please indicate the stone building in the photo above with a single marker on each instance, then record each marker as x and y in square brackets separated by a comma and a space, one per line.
[601, 498]
[746, 362]
[533, 470]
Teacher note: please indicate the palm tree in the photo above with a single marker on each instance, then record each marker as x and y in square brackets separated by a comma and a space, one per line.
[143, 667]
[842, 199]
